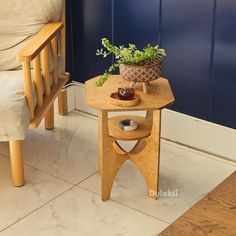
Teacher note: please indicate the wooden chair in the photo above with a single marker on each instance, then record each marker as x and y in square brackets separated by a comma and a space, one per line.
[41, 80]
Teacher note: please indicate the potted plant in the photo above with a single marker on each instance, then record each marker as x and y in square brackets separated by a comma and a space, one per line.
[135, 65]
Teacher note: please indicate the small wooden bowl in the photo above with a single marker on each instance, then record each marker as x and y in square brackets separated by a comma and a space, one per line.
[115, 100]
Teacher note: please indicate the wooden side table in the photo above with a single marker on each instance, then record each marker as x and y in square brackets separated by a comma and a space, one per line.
[146, 153]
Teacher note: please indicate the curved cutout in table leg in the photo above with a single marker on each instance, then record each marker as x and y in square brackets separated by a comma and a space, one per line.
[118, 148]
[145, 155]
[110, 160]
[147, 159]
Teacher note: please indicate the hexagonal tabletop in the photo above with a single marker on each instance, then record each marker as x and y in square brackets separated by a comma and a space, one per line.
[159, 96]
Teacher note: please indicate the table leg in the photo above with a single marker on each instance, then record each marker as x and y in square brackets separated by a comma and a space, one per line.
[146, 155]
[109, 160]
[145, 87]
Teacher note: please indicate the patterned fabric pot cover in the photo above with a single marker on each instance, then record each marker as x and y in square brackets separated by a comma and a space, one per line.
[146, 73]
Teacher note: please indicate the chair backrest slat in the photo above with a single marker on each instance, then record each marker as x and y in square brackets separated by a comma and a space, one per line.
[63, 35]
[46, 70]
[54, 56]
[38, 81]
[28, 88]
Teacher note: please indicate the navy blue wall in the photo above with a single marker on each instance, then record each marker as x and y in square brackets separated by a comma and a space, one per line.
[199, 37]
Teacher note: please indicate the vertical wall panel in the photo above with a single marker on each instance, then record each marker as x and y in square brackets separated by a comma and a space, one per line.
[224, 70]
[94, 22]
[199, 37]
[186, 32]
[136, 21]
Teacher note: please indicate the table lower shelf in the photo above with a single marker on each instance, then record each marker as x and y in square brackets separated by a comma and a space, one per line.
[145, 154]
[143, 130]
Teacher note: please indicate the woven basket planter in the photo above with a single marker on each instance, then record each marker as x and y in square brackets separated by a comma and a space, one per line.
[146, 73]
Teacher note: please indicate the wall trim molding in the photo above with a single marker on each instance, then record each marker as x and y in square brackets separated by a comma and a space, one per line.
[70, 100]
[179, 128]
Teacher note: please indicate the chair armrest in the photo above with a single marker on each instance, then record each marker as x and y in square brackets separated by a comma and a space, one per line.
[39, 41]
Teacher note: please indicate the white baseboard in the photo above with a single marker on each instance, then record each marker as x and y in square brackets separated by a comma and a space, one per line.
[199, 134]
[185, 130]
[70, 99]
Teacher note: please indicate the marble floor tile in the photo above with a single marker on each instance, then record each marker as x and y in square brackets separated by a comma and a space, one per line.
[47, 205]
[68, 152]
[82, 213]
[15, 203]
[191, 174]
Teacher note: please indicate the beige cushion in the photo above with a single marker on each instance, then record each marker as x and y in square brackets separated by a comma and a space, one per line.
[15, 121]
[20, 20]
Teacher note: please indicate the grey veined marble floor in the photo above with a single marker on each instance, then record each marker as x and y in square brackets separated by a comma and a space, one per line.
[62, 191]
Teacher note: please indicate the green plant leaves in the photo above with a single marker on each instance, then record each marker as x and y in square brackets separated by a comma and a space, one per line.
[128, 55]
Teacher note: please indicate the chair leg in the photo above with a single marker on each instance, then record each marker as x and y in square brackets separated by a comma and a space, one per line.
[49, 118]
[62, 102]
[17, 167]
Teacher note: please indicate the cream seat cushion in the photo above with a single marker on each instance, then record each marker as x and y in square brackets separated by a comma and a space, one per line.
[14, 114]
[20, 20]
